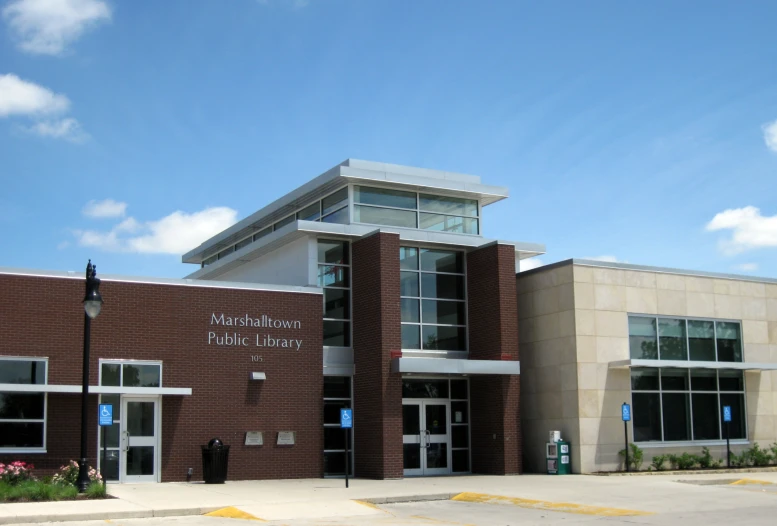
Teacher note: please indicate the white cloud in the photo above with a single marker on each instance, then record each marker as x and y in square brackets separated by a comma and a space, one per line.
[48, 26]
[606, 259]
[750, 230]
[528, 264]
[770, 135]
[105, 208]
[747, 267]
[68, 129]
[20, 97]
[176, 233]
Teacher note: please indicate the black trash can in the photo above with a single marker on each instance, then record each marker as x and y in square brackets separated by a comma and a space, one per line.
[215, 459]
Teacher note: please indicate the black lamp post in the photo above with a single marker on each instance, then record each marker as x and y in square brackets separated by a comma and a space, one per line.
[93, 302]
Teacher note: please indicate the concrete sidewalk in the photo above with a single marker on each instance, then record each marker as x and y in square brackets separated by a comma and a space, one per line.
[311, 498]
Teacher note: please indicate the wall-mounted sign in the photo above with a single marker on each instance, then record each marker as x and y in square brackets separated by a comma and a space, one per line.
[254, 438]
[229, 337]
[105, 414]
[285, 438]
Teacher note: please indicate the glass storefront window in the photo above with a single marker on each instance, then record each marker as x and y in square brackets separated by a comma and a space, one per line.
[686, 404]
[434, 314]
[337, 395]
[334, 278]
[22, 414]
[384, 206]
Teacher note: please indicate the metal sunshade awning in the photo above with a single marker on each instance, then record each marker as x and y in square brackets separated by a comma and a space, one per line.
[684, 364]
[454, 366]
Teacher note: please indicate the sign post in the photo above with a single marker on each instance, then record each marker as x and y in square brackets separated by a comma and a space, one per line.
[727, 420]
[346, 423]
[105, 416]
[626, 416]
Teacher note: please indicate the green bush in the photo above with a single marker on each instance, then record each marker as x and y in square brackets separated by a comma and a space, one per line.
[758, 456]
[96, 490]
[636, 456]
[705, 460]
[36, 491]
[658, 462]
[687, 461]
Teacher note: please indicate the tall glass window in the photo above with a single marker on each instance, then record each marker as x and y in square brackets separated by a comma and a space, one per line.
[337, 395]
[331, 209]
[686, 404]
[382, 206]
[665, 338]
[432, 299]
[334, 277]
[23, 413]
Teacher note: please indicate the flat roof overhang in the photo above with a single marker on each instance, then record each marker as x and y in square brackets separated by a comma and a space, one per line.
[352, 171]
[454, 366]
[95, 389]
[299, 229]
[683, 364]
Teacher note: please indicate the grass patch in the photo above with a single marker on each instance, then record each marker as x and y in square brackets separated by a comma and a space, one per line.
[96, 490]
[36, 491]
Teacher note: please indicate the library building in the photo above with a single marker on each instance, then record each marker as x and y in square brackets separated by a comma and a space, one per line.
[372, 287]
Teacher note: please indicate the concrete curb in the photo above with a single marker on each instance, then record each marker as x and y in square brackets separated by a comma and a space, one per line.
[411, 498]
[102, 515]
[722, 471]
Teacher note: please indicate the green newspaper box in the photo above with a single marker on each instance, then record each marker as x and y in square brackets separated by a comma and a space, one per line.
[558, 458]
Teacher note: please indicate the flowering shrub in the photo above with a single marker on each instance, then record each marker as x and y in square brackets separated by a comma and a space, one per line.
[68, 474]
[16, 472]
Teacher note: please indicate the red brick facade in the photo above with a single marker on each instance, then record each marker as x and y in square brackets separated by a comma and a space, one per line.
[493, 335]
[43, 317]
[376, 333]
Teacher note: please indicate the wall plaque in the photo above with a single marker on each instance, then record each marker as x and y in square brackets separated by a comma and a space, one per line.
[254, 438]
[285, 438]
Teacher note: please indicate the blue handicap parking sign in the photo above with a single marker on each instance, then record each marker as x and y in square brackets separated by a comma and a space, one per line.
[346, 418]
[105, 414]
[727, 413]
[626, 412]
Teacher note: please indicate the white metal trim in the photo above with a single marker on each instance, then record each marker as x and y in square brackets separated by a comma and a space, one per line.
[96, 389]
[682, 364]
[454, 366]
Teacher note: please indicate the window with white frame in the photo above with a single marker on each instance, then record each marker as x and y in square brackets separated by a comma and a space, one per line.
[384, 206]
[130, 374]
[23, 413]
[334, 278]
[432, 299]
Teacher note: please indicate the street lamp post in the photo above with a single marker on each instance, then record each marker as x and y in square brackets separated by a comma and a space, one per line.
[92, 304]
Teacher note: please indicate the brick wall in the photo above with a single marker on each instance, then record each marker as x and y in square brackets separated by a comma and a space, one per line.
[42, 316]
[493, 335]
[376, 333]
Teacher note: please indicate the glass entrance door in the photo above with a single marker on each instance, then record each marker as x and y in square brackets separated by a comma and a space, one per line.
[139, 440]
[426, 441]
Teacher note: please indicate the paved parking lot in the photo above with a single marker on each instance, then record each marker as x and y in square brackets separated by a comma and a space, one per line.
[682, 501]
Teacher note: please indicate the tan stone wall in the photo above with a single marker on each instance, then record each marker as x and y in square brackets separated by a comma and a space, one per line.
[604, 297]
[573, 321]
[546, 332]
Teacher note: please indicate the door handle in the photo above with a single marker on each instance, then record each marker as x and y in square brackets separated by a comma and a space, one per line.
[127, 439]
[421, 439]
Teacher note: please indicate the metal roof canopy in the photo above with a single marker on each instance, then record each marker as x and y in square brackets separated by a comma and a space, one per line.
[683, 364]
[454, 366]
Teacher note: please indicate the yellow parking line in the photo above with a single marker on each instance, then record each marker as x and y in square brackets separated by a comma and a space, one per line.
[368, 504]
[567, 507]
[233, 513]
[744, 482]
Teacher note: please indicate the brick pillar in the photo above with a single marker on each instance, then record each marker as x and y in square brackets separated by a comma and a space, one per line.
[376, 333]
[493, 335]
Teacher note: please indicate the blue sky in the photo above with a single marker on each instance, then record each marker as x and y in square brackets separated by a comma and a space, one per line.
[642, 132]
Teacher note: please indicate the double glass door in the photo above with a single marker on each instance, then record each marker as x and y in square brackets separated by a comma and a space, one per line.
[132, 442]
[426, 442]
